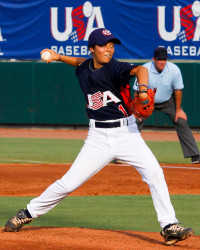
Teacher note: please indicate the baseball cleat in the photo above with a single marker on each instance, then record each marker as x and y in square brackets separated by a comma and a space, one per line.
[16, 222]
[118, 162]
[173, 233]
[195, 159]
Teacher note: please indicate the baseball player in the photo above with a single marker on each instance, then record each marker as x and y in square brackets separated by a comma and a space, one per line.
[167, 79]
[113, 134]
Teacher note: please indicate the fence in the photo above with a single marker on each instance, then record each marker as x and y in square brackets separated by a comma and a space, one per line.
[36, 93]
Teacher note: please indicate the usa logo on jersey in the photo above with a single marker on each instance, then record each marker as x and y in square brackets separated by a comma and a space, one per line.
[99, 99]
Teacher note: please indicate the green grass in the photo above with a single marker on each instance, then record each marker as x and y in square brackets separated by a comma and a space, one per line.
[134, 212]
[39, 150]
[168, 151]
[103, 212]
[62, 150]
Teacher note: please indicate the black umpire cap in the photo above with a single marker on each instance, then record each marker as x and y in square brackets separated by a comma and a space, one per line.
[160, 53]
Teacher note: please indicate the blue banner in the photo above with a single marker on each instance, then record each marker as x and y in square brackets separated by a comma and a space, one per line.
[28, 26]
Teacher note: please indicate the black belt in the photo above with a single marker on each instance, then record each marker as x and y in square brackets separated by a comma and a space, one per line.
[107, 124]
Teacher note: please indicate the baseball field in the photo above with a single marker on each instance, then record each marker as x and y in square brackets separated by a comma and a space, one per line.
[113, 210]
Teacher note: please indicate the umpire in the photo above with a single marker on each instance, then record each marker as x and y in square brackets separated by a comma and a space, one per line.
[167, 78]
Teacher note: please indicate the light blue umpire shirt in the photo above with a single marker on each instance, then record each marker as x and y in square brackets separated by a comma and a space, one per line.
[166, 82]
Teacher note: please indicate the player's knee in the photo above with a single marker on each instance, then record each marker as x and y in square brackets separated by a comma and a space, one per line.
[66, 187]
[154, 176]
[70, 187]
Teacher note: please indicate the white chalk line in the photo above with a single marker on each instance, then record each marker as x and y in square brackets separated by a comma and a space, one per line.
[27, 161]
[197, 168]
[46, 162]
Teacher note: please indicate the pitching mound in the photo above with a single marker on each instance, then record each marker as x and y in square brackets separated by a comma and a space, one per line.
[80, 238]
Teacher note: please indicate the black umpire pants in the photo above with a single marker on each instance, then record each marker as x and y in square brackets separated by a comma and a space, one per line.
[184, 133]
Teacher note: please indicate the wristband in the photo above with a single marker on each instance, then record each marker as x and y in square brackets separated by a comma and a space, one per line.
[142, 85]
[142, 91]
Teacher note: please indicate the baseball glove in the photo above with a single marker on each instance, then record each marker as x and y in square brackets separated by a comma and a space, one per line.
[143, 108]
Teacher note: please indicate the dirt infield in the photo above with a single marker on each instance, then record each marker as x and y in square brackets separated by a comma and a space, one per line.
[88, 239]
[112, 180]
[81, 134]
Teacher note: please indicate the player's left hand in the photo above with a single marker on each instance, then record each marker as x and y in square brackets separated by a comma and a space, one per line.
[143, 107]
[180, 114]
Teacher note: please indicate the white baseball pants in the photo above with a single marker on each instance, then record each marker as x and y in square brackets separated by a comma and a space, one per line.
[102, 145]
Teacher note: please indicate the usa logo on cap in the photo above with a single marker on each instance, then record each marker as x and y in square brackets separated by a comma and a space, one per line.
[106, 32]
[101, 36]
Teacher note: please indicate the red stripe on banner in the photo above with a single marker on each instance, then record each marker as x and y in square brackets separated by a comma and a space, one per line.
[77, 15]
[77, 22]
[186, 12]
[78, 8]
[188, 7]
[187, 22]
[81, 33]
[81, 36]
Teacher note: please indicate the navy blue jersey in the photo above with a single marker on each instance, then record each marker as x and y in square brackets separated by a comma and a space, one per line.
[106, 89]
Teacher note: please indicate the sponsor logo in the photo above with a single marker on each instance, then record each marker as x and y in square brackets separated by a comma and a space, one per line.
[186, 29]
[79, 23]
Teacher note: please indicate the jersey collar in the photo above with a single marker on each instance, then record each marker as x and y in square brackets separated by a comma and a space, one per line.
[154, 71]
[91, 66]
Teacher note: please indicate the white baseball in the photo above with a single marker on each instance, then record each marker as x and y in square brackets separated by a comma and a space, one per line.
[87, 9]
[196, 8]
[45, 56]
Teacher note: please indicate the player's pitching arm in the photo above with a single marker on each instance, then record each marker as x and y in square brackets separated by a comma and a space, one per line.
[74, 61]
